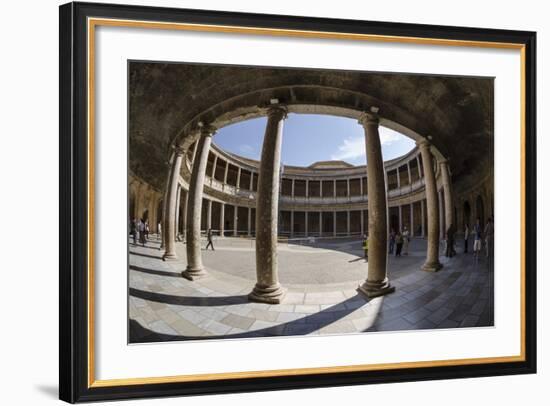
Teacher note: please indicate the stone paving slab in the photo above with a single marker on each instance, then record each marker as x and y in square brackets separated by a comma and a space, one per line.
[321, 297]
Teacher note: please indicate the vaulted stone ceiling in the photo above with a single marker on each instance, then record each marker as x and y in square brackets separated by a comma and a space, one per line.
[168, 100]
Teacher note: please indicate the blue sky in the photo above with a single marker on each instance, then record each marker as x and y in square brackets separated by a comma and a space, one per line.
[308, 138]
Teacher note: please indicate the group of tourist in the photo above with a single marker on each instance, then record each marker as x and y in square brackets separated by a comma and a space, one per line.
[399, 242]
[482, 236]
[139, 229]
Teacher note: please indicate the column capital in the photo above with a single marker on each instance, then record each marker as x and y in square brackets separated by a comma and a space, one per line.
[179, 150]
[369, 118]
[277, 110]
[207, 130]
[423, 143]
[443, 161]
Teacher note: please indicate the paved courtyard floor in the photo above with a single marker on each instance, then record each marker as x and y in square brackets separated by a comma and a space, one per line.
[321, 278]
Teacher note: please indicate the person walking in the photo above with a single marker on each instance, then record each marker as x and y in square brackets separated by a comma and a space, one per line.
[466, 236]
[209, 239]
[406, 238]
[146, 229]
[477, 238]
[159, 231]
[141, 229]
[398, 244]
[392, 241]
[489, 232]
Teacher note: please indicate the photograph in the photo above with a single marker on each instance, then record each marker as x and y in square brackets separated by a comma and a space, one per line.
[307, 202]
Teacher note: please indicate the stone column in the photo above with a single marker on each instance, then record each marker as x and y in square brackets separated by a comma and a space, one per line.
[423, 218]
[249, 222]
[226, 172]
[235, 220]
[195, 268]
[171, 206]
[320, 223]
[307, 188]
[400, 211]
[208, 214]
[222, 219]
[348, 225]
[432, 263]
[164, 200]
[377, 283]
[409, 172]
[268, 289]
[362, 222]
[441, 214]
[448, 193]
[292, 187]
[214, 167]
[184, 213]
[398, 180]
[420, 177]
[239, 177]
[306, 223]
[411, 220]
[178, 205]
[291, 223]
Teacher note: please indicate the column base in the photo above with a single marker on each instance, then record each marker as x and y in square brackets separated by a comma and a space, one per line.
[169, 257]
[271, 294]
[376, 289]
[431, 266]
[194, 274]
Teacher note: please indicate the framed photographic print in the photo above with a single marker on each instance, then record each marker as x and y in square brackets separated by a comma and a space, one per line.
[256, 202]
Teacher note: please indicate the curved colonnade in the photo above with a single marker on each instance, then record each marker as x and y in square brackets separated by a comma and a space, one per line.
[208, 188]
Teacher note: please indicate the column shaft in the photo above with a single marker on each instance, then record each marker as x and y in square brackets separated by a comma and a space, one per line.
[171, 203]
[411, 221]
[268, 289]
[184, 214]
[432, 263]
[222, 219]
[178, 205]
[377, 283]
[291, 223]
[209, 215]
[249, 222]
[423, 218]
[195, 268]
[235, 220]
[448, 194]
[164, 205]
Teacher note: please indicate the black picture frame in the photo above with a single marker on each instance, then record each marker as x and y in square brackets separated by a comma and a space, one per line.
[74, 200]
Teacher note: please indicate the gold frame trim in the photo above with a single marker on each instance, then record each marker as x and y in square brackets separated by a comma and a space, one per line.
[94, 22]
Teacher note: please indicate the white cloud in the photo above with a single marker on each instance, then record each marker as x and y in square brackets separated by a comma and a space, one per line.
[246, 149]
[353, 148]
